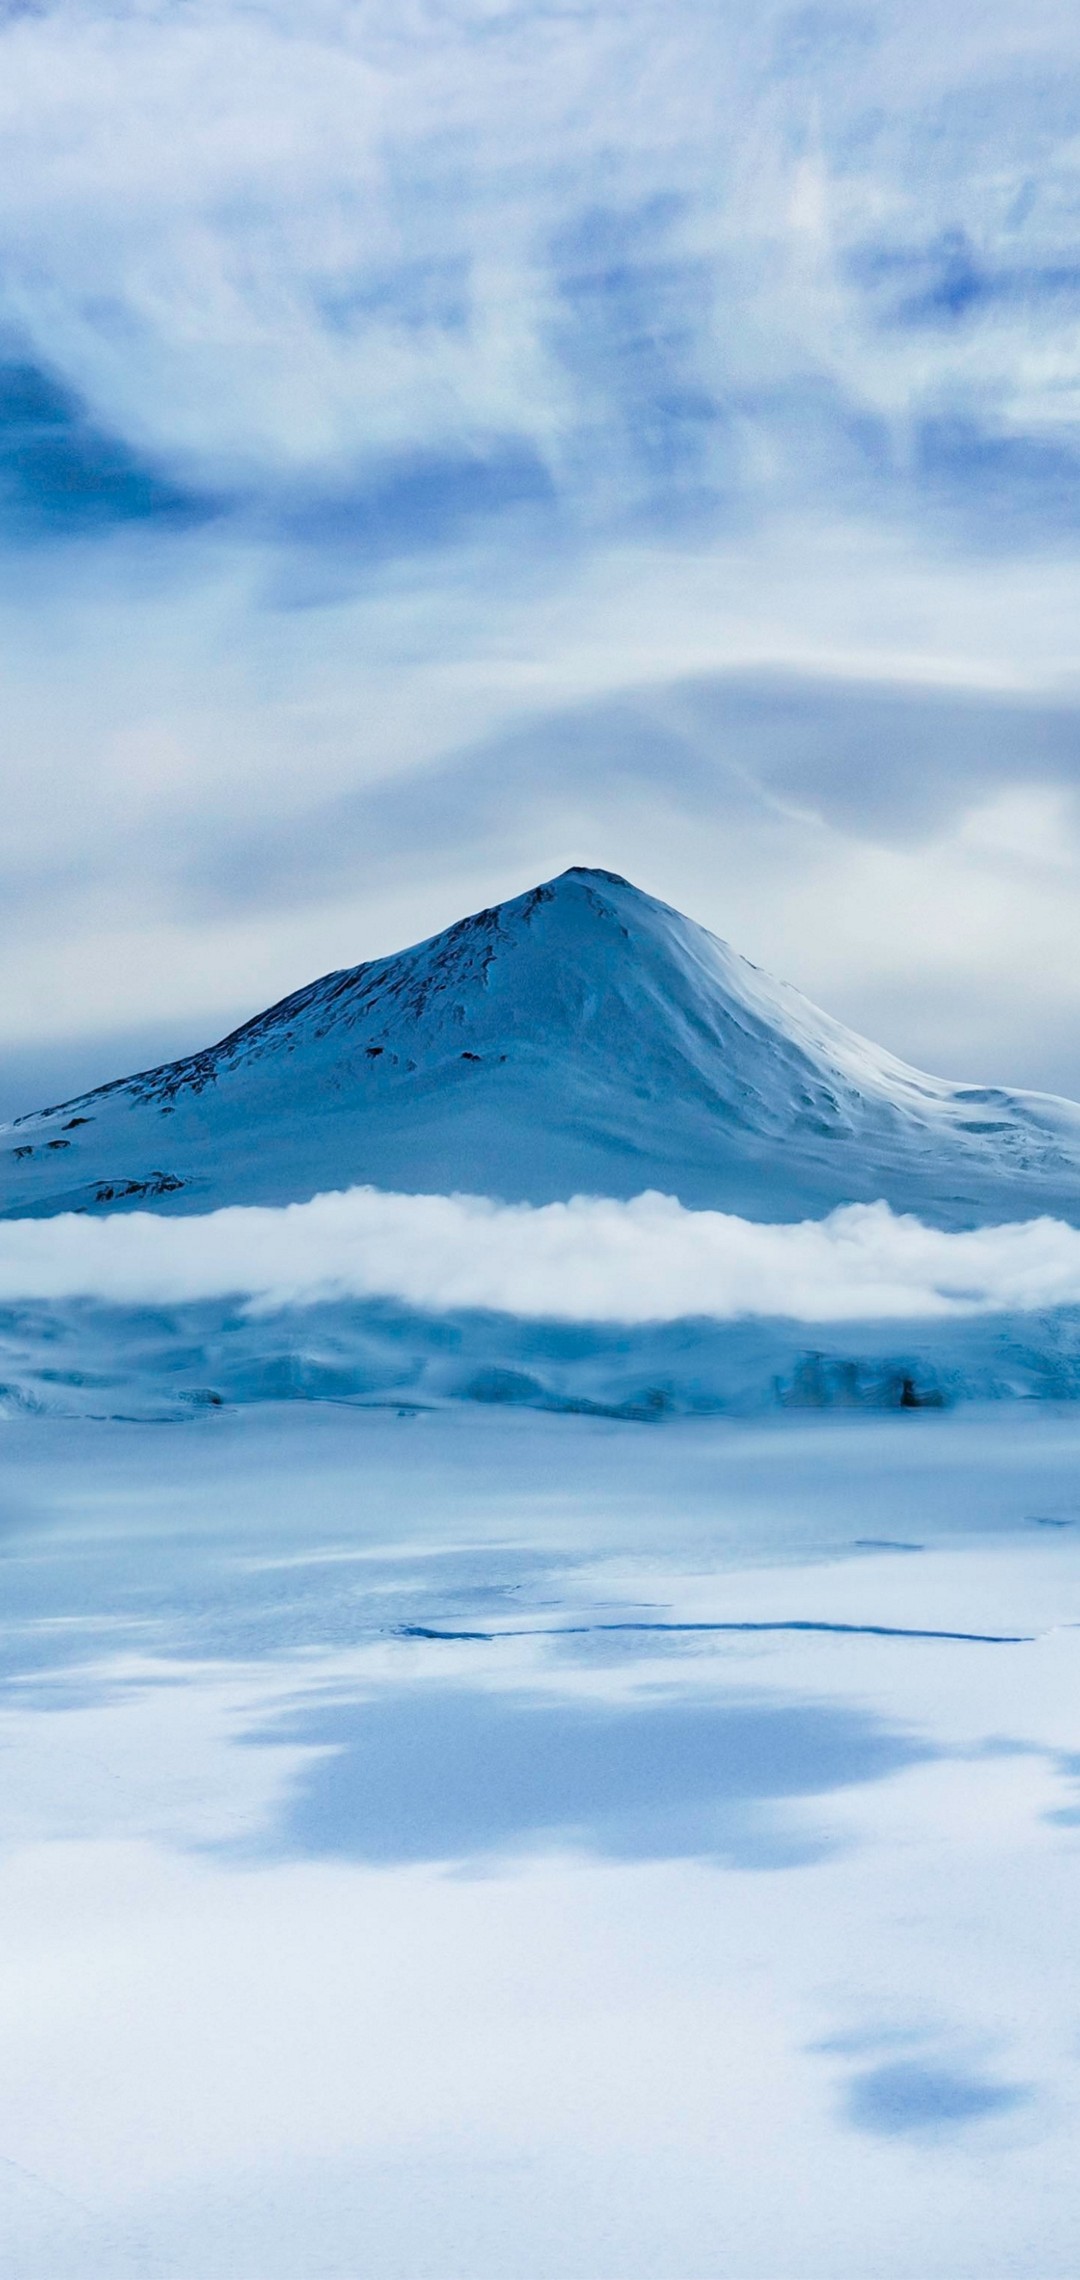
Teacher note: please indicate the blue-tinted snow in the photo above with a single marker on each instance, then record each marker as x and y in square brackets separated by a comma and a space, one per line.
[78, 1358]
[399, 1874]
[455, 1773]
[906, 2096]
[580, 1038]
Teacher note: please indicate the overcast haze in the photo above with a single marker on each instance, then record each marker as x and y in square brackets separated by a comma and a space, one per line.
[442, 443]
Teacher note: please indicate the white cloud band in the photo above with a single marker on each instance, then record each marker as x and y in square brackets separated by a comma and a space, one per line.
[592, 1259]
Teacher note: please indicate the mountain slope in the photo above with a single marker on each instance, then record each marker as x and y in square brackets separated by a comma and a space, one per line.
[580, 1037]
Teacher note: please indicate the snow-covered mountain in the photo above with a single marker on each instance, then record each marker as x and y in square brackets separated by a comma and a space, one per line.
[582, 1037]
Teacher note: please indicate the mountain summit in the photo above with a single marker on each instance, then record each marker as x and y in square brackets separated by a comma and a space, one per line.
[581, 1037]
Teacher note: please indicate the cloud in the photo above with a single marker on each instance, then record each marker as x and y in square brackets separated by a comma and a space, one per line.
[61, 473]
[501, 436]
[881, 761]
[685, 264]
[416, 503]
[590, 1260]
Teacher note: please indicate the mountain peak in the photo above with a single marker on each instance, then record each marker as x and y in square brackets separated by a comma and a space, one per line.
[582, 1036]
[590, 871]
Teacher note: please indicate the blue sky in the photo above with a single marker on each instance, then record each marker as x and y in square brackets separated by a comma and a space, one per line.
[443, 442]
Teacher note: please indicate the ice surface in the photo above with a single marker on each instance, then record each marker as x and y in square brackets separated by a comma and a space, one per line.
[579, 1038]
[488, 1845]
[70, 1358]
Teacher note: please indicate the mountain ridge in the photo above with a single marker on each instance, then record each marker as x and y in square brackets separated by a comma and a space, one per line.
[582, 1036]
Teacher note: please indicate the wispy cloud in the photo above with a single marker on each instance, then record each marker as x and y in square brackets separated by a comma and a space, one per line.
[442, 442]
[684, 261]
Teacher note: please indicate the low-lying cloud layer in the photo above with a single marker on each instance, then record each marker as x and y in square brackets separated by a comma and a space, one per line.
[590, 1260]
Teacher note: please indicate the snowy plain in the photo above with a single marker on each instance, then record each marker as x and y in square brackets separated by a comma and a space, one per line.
[469, 1844]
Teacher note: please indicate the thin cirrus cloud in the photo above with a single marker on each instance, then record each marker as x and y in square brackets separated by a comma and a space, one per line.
[590, 1260]
[649, 265]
